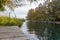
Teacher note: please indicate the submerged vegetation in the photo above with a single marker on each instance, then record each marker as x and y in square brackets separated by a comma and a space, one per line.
[48, 11]
[6, 21]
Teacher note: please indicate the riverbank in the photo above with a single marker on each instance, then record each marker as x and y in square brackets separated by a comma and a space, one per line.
[6, 21]
[56, 22]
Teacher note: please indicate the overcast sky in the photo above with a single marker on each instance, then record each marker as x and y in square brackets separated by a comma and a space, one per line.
[22, 12]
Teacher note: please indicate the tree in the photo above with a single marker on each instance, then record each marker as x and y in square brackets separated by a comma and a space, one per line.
[5, 2]
[54, 9]
[49, 11]
[31, 14]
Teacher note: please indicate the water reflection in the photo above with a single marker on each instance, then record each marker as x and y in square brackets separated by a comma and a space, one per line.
[44, 31]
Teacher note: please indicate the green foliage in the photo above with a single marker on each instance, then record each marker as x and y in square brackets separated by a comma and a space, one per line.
[31, 14]
[45, 13]
[2, 9]
[54, 9]
[6, 21]
[2, 2]
[5, 2]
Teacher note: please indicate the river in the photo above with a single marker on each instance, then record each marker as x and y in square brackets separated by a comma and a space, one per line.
[41, 31]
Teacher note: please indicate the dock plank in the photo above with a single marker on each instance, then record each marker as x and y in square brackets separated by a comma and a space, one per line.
[11, 33]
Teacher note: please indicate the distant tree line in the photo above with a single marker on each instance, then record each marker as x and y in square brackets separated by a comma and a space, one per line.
[48, 11]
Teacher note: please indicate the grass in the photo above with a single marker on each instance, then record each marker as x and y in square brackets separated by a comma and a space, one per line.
[6, 21]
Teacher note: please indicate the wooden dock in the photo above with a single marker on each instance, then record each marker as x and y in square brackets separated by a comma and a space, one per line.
[11, 33]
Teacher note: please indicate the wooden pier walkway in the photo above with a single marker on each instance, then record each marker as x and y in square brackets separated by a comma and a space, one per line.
[11, 33]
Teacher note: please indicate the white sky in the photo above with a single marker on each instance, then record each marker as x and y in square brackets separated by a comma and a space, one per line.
[22, 11]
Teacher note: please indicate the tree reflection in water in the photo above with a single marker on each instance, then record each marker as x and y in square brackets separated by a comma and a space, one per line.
[44, 31]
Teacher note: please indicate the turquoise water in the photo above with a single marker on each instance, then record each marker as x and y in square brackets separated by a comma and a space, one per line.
[41, 31]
